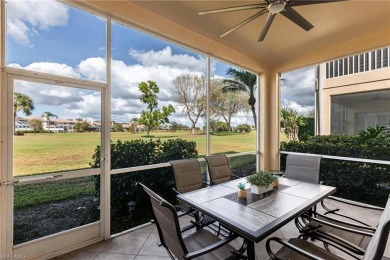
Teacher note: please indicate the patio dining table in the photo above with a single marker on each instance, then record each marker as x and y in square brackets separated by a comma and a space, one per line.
[257, 216]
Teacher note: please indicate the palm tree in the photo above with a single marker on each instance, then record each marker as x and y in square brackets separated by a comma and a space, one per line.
[242, 81]
[290, 121]
[23, 103]
[49, 115]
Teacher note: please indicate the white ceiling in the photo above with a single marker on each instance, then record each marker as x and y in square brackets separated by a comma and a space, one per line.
[334, 23]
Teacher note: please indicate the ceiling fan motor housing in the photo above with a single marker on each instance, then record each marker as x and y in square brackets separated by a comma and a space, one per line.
[276, 7]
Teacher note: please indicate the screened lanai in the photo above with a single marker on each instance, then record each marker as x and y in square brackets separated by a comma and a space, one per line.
[87, 69]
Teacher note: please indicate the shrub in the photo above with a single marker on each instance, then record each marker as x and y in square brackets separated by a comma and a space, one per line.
[365, 182]
[34, 132]
[244, 128]
[123, 186]
[178, 127]
[222, 127]
[307, 129]
[117, 127]
[81, 126]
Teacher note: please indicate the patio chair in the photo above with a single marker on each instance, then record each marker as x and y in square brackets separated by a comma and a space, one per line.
[358, 241]
[202, 244]
[188, 177]
[340, 214]
[303, 167]
[298, 248]
[219, 171]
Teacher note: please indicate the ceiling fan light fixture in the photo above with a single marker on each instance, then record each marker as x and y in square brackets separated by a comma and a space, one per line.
[276, 6]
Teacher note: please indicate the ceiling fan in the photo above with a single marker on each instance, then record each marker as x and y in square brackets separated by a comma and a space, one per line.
[272, 7]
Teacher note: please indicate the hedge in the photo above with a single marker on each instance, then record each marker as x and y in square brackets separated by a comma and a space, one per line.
[123, 186]
[364, 182]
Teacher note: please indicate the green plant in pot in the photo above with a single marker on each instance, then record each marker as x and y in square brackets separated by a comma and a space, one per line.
[241, 190]
[261, 182]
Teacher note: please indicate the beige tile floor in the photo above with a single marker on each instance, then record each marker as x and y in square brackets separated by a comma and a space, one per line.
[142, 243]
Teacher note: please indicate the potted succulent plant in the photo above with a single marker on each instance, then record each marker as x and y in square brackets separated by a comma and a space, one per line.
[261, 182]
[241, 190]
[276, 180]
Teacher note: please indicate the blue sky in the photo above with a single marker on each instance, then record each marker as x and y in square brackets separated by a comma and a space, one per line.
[52, 37]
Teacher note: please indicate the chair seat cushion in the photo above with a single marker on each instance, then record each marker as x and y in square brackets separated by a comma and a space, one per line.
[204, 238]
[286, 253]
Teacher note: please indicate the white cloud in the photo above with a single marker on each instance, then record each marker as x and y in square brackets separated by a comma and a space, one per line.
[304, 110]
[93, 68]
[26, 18]
[48, 95]
[54, 68]
[299, 86]
[88, 107]
[125, 104]
[166, 58]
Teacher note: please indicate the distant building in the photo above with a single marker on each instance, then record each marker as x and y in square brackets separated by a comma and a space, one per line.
[55, 125]
[355, 92]
[21, 124]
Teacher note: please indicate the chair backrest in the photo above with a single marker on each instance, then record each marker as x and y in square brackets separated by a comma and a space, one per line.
[188, 176]
[219, 170]
[377, 245]
[304, 167]
[167, 223]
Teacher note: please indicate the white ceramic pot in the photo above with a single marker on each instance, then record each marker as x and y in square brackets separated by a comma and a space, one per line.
[260, 190]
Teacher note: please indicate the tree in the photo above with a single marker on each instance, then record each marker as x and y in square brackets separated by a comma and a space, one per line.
[290, 121]
[134, 122]
[242, 81]
[117, 127]
[178, 127]
[81, 126]
[35, 124]
[153, 116]
[23, 103]
[190, 91]
[49, 115]
[226, 105]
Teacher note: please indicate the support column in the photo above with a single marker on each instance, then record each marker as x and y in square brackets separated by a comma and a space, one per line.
[269, 123]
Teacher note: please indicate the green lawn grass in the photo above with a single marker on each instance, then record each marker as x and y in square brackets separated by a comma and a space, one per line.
[45, 153]
[45, 192]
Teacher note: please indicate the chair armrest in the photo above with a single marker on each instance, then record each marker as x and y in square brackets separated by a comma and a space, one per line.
[207, 183]
[354, 203]
[360, 232]
[330, 239]
[235, 176]
[176, 192]
[290, 246]
[338, 242]
[180, 209]
[279, 173]
[353, 225]
[211, 247]
[212, 183]
[348, 202]
[185, 212]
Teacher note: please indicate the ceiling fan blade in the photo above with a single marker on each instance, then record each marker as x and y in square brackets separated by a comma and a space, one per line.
[306, 2]
[296, 18]
[253, 17]
[234, 8]
[266, 27]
